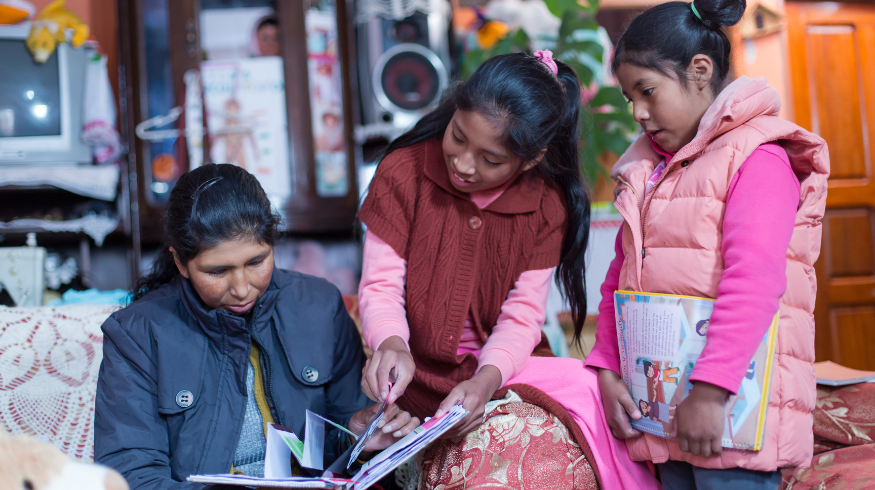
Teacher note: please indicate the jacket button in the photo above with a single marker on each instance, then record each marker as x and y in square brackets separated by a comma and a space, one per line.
[310, 374]
[475, 223]
[184, 399]
[685, 163]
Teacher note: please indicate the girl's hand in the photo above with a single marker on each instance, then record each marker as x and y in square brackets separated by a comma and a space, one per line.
[618, 405]
[391, 362]
[698, 420]
[472, 395]
[396, 424]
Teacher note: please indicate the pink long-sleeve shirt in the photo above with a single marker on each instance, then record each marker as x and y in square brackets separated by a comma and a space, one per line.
[757, 225]
[516, 333]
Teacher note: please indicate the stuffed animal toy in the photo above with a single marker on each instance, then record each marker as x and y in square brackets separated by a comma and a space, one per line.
[15, 11]
[50, 28]
[28, 464]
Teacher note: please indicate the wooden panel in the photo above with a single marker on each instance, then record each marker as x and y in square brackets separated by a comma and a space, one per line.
[852, 330]
[832, 69]
[851, 249]
[834, 79]
[306, 211]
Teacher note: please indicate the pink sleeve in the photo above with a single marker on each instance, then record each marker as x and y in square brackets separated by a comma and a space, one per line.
[518, 329]
[757, 226]
[381, 293]
[606, 351]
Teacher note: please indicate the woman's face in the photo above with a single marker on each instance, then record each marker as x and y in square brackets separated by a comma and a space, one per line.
[475, 158]
[668, 110]
[232, 275]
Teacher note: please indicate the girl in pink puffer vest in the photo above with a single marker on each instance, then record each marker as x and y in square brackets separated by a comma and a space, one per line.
[721, 199]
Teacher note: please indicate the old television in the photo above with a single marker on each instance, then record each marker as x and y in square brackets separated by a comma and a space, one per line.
[40, 104]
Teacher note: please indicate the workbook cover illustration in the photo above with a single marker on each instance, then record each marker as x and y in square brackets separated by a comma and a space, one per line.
[661, 337]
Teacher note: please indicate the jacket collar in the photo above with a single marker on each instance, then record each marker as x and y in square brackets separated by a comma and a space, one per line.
[523, 196]
[221, 321]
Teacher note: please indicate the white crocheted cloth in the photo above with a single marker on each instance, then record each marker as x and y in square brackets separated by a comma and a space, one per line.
[49, 359]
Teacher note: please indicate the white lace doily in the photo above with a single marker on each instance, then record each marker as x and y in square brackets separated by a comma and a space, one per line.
[97, 181]
[93, 225]
[49, 359]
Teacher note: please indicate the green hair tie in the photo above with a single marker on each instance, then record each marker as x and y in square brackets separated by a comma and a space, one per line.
[696, 12]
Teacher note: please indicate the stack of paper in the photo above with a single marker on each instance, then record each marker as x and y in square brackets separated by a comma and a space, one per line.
[293, 482]
[832, 374]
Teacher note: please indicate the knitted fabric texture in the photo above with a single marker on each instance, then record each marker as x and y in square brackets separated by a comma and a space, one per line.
[249, 457]
[460, 258]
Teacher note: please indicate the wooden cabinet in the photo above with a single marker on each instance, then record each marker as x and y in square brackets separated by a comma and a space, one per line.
[832, 65]
[161, 41]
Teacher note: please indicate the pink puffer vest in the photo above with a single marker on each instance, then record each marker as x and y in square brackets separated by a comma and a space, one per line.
[672, 244]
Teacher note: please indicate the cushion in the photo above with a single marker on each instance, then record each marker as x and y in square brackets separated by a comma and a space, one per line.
[845, 415]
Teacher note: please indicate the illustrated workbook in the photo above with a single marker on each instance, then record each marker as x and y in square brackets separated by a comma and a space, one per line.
[282, 444]
[661, 337]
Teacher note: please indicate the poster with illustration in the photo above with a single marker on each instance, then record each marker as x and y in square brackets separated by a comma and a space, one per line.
[326, 104]
[246, 116]
[660, 338]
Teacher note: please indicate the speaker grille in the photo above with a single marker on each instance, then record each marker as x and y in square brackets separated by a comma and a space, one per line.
[409, 78]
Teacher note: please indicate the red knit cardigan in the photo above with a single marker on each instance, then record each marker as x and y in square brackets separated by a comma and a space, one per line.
[461, 260]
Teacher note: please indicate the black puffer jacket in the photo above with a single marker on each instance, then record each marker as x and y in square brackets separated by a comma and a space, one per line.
[171, 392]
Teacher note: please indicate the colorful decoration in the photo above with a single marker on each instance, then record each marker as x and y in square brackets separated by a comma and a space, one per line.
[15, 11]
[50, 28]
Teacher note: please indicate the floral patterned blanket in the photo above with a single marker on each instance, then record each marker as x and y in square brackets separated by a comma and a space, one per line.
[520, 446]
[844, 452]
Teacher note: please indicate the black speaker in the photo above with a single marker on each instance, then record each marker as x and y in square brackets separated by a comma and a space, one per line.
[404, 66]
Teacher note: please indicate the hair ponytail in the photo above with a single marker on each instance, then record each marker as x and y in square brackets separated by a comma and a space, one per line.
[564, 152]
[666, 37]
[539, 110]
[207, 206]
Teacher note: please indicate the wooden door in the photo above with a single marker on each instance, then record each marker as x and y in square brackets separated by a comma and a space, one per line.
[832, 65]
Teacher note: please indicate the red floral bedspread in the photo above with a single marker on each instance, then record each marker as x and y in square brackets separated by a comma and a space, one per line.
[844, 452]
[520, 446]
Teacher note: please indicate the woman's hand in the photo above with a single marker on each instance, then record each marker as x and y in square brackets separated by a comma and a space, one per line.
[618, 405]
[472, 395]
[699, 420]
[391, 362]
[396, 424]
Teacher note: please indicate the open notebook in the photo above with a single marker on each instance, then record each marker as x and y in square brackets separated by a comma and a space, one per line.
[282, 443]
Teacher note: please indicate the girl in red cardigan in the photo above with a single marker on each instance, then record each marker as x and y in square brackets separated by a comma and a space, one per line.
[467, 216]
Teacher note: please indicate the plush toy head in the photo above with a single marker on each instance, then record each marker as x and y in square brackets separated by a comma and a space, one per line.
[50, 28]
[28, 464]
[42, 40]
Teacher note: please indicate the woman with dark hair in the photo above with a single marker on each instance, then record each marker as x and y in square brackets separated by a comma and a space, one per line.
[217, 343]
[720, 199]
[467, 216]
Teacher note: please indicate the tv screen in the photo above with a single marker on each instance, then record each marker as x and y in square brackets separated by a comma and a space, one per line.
[30, 93]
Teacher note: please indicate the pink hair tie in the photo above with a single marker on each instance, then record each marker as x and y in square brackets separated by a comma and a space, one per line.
[546, 56]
